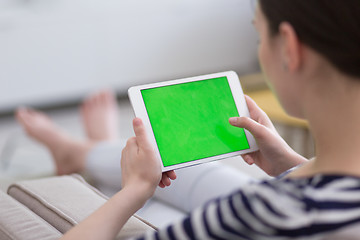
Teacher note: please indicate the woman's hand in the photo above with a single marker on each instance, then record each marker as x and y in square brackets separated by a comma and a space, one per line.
[274, 155]
[141, 173]
[140, 167]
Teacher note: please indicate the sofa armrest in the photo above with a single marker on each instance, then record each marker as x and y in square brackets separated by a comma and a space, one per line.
[19, 223]
[64, 201]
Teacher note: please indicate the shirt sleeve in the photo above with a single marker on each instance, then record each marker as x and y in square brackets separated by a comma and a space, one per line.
[266, 211]
[255, 211]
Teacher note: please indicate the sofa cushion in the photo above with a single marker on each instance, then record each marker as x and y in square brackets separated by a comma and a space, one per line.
[18, 223]
[66, 200]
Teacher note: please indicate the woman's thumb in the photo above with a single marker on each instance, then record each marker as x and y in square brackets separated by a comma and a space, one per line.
[140, 132]
[257, 130]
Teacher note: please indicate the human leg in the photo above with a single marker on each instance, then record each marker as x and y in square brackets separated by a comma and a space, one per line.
[193, 187]
[103, 165]
[68, 153]
[99, 115]
[197, 185]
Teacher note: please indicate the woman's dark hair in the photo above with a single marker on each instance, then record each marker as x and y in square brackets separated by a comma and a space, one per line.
[330, 27]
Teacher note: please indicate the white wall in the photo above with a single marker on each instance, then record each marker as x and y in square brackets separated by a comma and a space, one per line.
[55, 51]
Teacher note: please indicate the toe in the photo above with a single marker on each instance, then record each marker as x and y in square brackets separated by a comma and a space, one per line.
[97, 99]
[24, 115]
[20, 115]
[110, 97]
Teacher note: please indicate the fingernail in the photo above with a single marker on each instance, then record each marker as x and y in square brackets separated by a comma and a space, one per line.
[137, 121]
[232, 120]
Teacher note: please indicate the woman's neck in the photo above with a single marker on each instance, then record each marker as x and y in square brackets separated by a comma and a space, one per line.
[333, 112]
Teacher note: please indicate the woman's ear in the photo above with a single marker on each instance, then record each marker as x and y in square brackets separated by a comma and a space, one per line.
[291, 47]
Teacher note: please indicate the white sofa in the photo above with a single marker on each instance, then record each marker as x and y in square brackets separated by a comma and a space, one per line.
[47, 208]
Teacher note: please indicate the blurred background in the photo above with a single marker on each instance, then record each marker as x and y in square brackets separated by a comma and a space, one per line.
[53, 53]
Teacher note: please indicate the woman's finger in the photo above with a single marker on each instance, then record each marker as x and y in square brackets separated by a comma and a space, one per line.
[171, 174]
[165, 180]
[161, 184]
[140, 133]
[259, 131]
[248, 159]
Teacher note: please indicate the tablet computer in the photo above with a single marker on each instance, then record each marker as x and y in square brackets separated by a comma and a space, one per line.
[187, 120]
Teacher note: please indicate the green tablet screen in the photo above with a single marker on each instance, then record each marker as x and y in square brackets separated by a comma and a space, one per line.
[190, 120]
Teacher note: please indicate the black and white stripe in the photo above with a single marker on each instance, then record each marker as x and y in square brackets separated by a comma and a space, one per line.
[307, 208]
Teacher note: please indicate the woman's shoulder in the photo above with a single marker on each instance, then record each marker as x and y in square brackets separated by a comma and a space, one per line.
[310, 191]
[318, 182]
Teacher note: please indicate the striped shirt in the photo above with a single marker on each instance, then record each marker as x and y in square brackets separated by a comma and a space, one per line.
[303, 208]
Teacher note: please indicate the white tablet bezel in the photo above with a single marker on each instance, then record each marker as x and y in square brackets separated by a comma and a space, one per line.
[238, 95]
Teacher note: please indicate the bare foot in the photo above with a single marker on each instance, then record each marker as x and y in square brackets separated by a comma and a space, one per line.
[69, 154]
[100, 116]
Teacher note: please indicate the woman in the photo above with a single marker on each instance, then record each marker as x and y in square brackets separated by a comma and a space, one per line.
[310, 54]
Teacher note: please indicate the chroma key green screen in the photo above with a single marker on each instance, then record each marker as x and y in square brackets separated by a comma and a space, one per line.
[190, 120]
